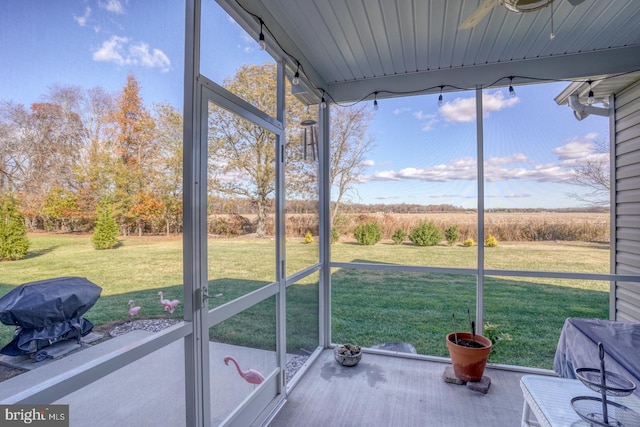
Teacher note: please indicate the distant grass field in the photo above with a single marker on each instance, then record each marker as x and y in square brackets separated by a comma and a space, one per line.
[368, 307]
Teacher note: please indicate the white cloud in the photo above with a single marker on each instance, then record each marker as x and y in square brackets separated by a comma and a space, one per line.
[517, 166]
[580, 151]
[401, 110]
[429, 124]
[422, 116]
[82, 20]
[462, 110]
[123, 51]
[368, 163]
[140, 54]
[113, 6]
[112, 50]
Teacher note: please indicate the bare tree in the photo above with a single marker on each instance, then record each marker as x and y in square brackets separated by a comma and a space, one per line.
[595, 176]
[242, 154]
[350, 143]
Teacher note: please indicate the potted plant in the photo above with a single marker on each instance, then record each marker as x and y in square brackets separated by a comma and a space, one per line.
[347, 354]
[469, 353]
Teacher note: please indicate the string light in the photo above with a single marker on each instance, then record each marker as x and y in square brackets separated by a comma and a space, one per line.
[512, 92]
[261, 41]
[375, 101]
[296, 78]
[440, 101]
[552, 35]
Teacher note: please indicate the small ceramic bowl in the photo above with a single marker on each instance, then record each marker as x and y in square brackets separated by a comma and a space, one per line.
[347, 354]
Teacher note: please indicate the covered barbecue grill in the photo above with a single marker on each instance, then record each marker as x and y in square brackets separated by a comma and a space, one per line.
[47, 311]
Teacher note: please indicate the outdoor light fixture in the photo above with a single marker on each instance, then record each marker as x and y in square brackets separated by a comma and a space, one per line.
[590, 97]
[309, 138]
[261, 41]
[323, 103]
[512, 93]
[440, 101]
[375, 101]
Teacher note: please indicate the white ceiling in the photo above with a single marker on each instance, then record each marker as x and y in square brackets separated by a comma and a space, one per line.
[353, 48]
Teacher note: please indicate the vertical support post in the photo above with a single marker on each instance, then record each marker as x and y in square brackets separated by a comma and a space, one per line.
[281, 271]
[194, 247]
[324, 194]
[613, 209]
[480, 178]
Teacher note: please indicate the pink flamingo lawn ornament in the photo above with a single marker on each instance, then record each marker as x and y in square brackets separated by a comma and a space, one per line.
[133, 310]
[251, 375]
[169, 306]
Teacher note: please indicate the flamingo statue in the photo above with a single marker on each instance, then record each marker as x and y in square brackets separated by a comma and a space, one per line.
[133, 310]
[251, 375]
[169, 306]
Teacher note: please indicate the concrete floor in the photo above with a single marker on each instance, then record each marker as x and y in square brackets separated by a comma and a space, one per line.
[379, 391]
[149, 391]
[397, 392]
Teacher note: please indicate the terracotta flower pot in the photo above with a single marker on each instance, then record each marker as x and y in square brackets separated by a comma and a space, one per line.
[468, 362]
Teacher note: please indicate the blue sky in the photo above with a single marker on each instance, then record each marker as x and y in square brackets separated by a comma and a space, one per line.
[422, 153]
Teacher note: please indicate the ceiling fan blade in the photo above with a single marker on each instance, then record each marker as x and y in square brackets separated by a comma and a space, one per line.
[575, 2]
[478, 14]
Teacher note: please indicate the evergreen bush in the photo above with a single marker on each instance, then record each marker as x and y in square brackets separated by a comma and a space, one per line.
[452, 234]
[335, 235]
[368, 233]
[398, 236]
[308, 238]
[14, 244]
[105, 232]
[491, 241]
[425, 234]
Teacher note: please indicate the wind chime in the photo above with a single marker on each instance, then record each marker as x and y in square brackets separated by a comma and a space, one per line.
[309, 139]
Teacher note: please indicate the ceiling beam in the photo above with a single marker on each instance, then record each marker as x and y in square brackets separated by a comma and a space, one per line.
[561, 67]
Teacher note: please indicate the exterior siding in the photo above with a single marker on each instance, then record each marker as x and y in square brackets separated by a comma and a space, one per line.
[627, 201]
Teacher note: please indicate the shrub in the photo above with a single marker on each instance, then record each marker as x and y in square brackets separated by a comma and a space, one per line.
[368, 233]
[105, 232]
[308, 238]
[14, 243]
[335, 235]
[491, 241]
[398, 236]
[451, 234]
[425, 234]
[492, 332]
[468, 242]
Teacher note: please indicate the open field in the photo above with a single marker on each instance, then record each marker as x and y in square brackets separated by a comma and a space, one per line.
[506, 226]
[368, 307]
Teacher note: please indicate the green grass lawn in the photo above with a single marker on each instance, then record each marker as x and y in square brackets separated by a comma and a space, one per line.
[368, 307]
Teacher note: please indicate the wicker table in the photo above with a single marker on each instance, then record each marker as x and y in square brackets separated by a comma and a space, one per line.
[549, 399]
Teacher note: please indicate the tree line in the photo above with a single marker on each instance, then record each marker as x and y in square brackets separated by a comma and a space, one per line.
[81, 149]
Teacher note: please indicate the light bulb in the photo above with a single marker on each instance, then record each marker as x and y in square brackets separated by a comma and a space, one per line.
[296, 78]
[261, 42]
[323, 103]
[590, 98]
[512, 93]
[440, 101]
